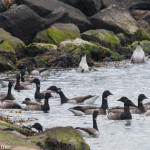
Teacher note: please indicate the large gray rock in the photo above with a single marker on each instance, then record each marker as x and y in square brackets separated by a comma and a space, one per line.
[115, 19]
[2, 6]
[43, 8]
[140, 4]
[120, 3]
[88, 7]
[22, 22]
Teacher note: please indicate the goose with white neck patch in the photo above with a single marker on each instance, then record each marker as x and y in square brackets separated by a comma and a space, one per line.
[90, 132]
[88, 110]
[88, 99]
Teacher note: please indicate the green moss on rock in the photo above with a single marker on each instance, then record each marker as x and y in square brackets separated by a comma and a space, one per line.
[35, 49]
[145, 45]
[41, 62]
[61, 136]
[57, 33]
[103, 37]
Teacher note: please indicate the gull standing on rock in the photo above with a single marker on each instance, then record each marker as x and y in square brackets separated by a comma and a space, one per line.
[83, 66]
[138, 55]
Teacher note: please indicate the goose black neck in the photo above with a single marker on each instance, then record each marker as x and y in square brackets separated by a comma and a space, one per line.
[9, 90]
[22, 79]
[64, 99]
[46, 106]
[126, 109]
[141, 107]
[37, 88]
[95, 123]
[104, 105]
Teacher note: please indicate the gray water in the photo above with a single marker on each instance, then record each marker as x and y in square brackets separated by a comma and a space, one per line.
[129, 80]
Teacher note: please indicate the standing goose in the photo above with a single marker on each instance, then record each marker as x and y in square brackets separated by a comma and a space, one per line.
[8, 95]
[89, 99]
[39, 106]
[134, 110]
[138, 55]
[38, 94]
[88, 110]
[18, 86]
[88, 132]
[119, 115]
[83, 66]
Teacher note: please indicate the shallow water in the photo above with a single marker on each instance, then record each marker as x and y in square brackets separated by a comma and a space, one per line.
[129, 80]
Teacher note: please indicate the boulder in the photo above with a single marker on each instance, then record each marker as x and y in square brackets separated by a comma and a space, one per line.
[140, 14]
[22, 22]
[147, 19]
[35, 49]
[57, 33]
[88, 7]
[47, 6]
[65, 138]
[140, 4]
[103, 37]
[2, 6]
[120, 3]
[115, 19]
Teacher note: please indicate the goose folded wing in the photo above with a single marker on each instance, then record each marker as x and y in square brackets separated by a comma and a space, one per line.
[81, 98]
[90, 131]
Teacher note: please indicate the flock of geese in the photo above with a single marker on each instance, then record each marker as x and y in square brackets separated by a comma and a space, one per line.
[116, 113]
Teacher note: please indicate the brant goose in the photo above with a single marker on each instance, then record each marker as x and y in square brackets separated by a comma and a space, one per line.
[90, 132]
[118, 114]
[88, 110]
[9, 104]
[38, 127]
[89, 99]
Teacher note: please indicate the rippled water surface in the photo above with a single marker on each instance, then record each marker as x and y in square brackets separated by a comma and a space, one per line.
[129, 80]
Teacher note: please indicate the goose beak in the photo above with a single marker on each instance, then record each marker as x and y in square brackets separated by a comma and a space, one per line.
[111, 94]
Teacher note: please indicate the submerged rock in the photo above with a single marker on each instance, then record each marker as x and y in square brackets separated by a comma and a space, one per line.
[103, 37]
[115, 19]
[57, 33]
[64, 138]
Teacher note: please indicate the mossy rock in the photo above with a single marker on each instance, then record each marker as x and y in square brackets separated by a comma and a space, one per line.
[103, 37]
[145, 44]
[123, 38]
[10, 44]
[41, 62]
[35, 49]
[141, 35]
[6, 64]
[60, 138]
[57, 33]
[79, 46]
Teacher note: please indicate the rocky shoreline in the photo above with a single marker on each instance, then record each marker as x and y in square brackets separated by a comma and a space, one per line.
[56, 34]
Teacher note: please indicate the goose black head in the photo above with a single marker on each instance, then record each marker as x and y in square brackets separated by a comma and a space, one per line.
[26, 101]
[22, 72]
[18, 76]
[106, 93]
[127, 102]
[10, 84]
[38, 127]
[36, 81]
[48, 95]
[142, 97]
[95, 113]
[55, 89]
[139, 43]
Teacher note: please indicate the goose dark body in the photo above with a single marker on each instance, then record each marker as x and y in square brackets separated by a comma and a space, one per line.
[8, 95]
[119, 115]
[88, 110]
[38, 127]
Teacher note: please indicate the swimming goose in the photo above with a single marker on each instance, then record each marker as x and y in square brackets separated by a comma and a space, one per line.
[8, 95]
[43, 72]
[27, 101]
[119, 115]
[9, 104]
[4, 83]
[40, 95]
[23, 82]
[39, 106]
[89, 99]
[134, 110]
[88, 132]
[138, 55]
[38, 127]
[18, 86]
[88, 110]
[83, 66]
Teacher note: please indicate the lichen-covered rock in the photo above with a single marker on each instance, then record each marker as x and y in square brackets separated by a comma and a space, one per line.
[145, 44]
[57, 33]
[35, 49]
[66, 138]
[78, 46]
[103, 37]
[115, 19]
[123, 38]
